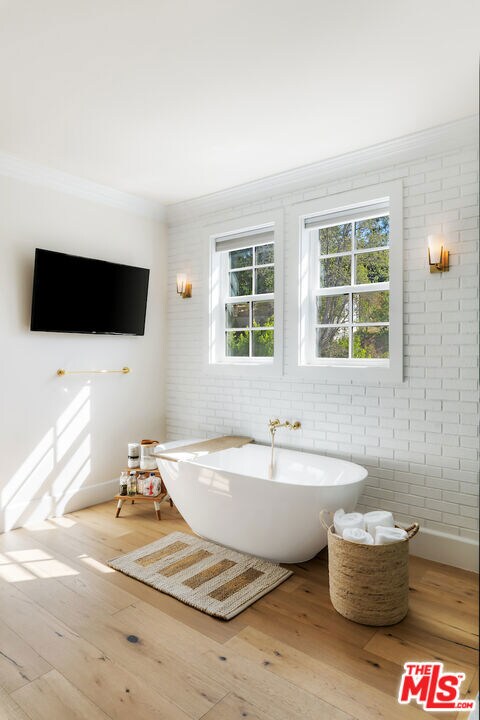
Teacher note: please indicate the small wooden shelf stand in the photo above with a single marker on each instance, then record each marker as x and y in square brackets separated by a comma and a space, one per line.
[156, 499]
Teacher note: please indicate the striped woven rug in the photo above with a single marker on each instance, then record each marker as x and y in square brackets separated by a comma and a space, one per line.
[209, 577]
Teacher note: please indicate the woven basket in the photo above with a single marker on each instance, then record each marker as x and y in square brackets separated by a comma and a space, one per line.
[369, 583]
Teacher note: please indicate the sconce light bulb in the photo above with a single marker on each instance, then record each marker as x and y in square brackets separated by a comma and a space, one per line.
[435, 244]
[181, 282]
[438, 255]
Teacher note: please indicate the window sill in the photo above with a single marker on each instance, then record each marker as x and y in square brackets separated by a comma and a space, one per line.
[349, 364]
[374, 373]
[245, 368]
[245, 361]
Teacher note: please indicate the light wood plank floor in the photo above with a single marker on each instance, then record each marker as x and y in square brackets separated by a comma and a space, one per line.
[80, 641]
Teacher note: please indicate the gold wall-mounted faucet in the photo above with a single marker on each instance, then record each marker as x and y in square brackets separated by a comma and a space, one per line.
[273, 426]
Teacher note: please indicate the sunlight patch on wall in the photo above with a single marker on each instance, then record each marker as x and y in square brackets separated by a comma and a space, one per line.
[33, 467]
[67, 436]
[72, 409]
[55, 469]
[76, 470]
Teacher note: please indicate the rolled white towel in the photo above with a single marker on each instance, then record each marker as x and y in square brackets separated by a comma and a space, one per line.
[357, 535]
[387, 535]
[378, 517]
[343, 520]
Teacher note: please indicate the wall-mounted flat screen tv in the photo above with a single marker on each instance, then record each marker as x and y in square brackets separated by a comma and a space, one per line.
[74, 294]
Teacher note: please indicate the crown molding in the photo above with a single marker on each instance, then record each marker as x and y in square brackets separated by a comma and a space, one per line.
[441, 138]
[36, 174]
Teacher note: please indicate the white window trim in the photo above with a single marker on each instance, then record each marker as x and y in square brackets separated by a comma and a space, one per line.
[338, 370]
[241, 367]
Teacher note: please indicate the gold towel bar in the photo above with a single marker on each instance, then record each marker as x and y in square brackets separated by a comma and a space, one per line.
[62, 371]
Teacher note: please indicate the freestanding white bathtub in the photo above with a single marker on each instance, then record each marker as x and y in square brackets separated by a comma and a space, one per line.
[228, 498]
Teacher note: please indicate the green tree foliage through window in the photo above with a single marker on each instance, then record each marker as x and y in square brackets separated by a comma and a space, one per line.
[360, 258]
[249, 324]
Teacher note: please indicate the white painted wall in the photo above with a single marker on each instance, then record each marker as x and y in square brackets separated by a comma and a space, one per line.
[419, 438]
[64, 439]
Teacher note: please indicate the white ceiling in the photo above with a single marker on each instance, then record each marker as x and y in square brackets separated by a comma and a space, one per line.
[172, 99]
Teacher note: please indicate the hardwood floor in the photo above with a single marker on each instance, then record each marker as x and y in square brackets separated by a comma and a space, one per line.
[80, 641]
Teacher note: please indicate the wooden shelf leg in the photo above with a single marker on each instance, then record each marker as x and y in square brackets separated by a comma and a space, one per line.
[119, 507]
[157, 509]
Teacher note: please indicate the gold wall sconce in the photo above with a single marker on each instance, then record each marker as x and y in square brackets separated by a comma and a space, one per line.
[184, 286]
[438, 257]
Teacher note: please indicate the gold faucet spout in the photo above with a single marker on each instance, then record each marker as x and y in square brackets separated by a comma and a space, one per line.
[273, 426]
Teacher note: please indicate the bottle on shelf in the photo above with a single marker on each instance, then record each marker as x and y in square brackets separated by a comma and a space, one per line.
[146, 486]
[123, 483]
[154, 484]
[141, 478]
[132, 484]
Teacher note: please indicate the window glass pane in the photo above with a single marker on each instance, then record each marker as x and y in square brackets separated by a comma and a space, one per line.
[264, 254]
[332, 309]
[372, 267]
[237, 315]
[335, 239]
[370, 342]
[371, 306]
[264, 280]
[263, 314]
[372, 233]
[332, 342]
[241, 283]
[335, 271]
[241, 258]
[237, 344]
[262, 343]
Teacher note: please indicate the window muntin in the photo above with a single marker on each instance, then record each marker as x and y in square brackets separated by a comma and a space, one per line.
[349, 294]
[249, 305]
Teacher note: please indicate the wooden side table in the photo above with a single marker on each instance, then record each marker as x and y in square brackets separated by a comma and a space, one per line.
[156, 499]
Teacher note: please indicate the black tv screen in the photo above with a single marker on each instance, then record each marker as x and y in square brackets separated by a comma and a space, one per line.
[74, 294]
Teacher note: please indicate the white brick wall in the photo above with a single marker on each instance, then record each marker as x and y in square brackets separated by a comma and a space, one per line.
[418, 439]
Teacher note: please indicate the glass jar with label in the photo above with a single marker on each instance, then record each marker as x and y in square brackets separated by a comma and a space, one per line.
[147, 457]
[152, 484]
[132, 484]
[134, 455]
[141, 477]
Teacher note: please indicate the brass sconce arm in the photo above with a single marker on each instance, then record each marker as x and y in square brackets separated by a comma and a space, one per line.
[443, 264]
[436, 247]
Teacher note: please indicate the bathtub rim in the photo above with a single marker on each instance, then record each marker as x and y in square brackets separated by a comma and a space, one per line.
[203, 463]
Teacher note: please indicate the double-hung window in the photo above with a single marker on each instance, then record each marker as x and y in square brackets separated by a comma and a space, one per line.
[243, 292]
[350, 304]
[348, 318]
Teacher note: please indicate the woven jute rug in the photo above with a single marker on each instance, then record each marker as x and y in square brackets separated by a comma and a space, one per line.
[209, 577]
